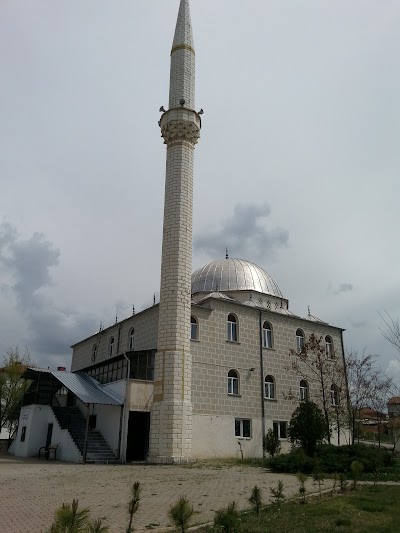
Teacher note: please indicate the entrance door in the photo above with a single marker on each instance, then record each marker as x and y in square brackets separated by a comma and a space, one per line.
[137, 444]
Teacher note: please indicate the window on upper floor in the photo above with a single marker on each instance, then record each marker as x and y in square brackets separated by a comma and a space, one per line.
[299, 341]
[194, 328]
[334, 395]
[329, 347]
[304, 396]
[233, 382]
[232, 328]
[269, 388]
[111, 347]
[94, 353]
[243, 428]
[131, 339]
[267, 335]
[280, 429]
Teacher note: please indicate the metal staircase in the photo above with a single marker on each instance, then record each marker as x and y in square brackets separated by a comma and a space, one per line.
[97, 449]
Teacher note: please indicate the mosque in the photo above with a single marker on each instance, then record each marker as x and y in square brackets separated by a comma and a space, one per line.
[203, 374]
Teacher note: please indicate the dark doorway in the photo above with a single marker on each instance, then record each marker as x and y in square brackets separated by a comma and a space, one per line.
[137, 444]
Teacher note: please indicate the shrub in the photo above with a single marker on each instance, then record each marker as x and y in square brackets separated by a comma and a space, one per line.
[308, 427]
[227, 520]
[272, 444]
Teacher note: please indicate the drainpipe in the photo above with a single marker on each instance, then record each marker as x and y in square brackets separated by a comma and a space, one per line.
[262, 384]
[125, 406]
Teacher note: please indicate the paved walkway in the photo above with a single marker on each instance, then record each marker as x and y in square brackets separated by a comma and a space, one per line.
[31, 490]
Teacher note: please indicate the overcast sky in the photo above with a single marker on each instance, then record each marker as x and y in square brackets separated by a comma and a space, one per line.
[297, 169]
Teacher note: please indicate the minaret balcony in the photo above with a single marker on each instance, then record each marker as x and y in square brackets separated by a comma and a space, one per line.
[180, 124]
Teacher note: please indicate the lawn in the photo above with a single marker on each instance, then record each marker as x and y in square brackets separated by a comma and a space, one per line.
[368, 510]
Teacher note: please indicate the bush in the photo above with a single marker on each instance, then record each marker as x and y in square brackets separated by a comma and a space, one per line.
[308, 427]
[272, 444]
[227, 520]
[332, 459]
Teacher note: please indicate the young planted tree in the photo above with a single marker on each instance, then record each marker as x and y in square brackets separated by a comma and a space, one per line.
[181, 513]
[12, 387]
[315, 366]
[277, 494]
[69, 520]
[133, 505]
[227, 520]
[357, 469]
[272, 444]
[308, 427]
[317, 474]
[302, 489]
[255, 499]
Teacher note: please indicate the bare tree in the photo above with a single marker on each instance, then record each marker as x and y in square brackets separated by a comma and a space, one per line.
[328, 373]
[368, 386]
[392, 331]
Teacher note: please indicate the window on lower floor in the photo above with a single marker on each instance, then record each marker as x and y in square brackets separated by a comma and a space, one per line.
[280, 429]
[303, 390]
[269, 388]
[194, 328]
[243, 427]
[334, 395]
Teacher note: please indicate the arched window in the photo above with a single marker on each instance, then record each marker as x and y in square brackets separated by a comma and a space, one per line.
[233, 382]
[334, 395]
[111, 347]
[299, 340]
[328, 347]
[269, 388]
[304, 390]
[267, 335]
[194, 328]
[94, 353]
[131, 339]
[232, 328]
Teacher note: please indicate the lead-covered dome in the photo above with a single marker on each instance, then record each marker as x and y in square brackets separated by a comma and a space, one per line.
[233, 275]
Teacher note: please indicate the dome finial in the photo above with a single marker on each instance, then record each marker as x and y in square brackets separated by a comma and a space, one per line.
[309, 312]
[226, 254]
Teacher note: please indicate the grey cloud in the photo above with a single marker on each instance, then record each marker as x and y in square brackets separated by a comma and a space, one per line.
[244, 234]
[357, 323]
[28, 262]
[344, 287]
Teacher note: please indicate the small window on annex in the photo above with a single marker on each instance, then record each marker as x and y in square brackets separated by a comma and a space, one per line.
[243, 428]
[269, 387]
[267, 335]
[280, 429]
[194, 328]
[232, 328]
[233, 382]
[299, 340]
[334, 395]
[304, 390]
[131, 339]
[329, 347]
[111, 347]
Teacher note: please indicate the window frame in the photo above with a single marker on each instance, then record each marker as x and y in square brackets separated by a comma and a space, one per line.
[334, 395]
[276, 428]
[111, 343]
[266, 337]
[329, 351]
[299, 340]
[304, 391]
[233, 328]
[194, 325]
[239, 423]
[270, 386]
[131, 339]
[232, 380]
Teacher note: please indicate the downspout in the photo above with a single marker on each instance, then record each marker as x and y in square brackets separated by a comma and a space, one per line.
[126, 405]
[262, 385]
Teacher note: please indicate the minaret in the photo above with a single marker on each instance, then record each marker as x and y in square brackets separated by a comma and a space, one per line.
[171, 412]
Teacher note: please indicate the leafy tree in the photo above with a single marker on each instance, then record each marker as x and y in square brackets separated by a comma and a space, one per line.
[12, 386]
[181, 513]
[133, 504]
[308, 427]
[272, 444]
[255, 499]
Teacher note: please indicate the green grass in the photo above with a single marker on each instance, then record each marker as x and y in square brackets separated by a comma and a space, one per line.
[370, 509]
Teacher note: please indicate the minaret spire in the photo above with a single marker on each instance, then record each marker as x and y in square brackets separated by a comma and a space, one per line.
[171, 412]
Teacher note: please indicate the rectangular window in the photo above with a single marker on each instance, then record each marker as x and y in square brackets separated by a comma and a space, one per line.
[280, 429]
[23, 433]
[243, 428]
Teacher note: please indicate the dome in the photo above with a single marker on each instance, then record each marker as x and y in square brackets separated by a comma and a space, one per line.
[233, 275]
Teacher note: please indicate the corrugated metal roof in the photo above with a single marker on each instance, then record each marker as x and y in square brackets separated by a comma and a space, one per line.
[87, 389]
